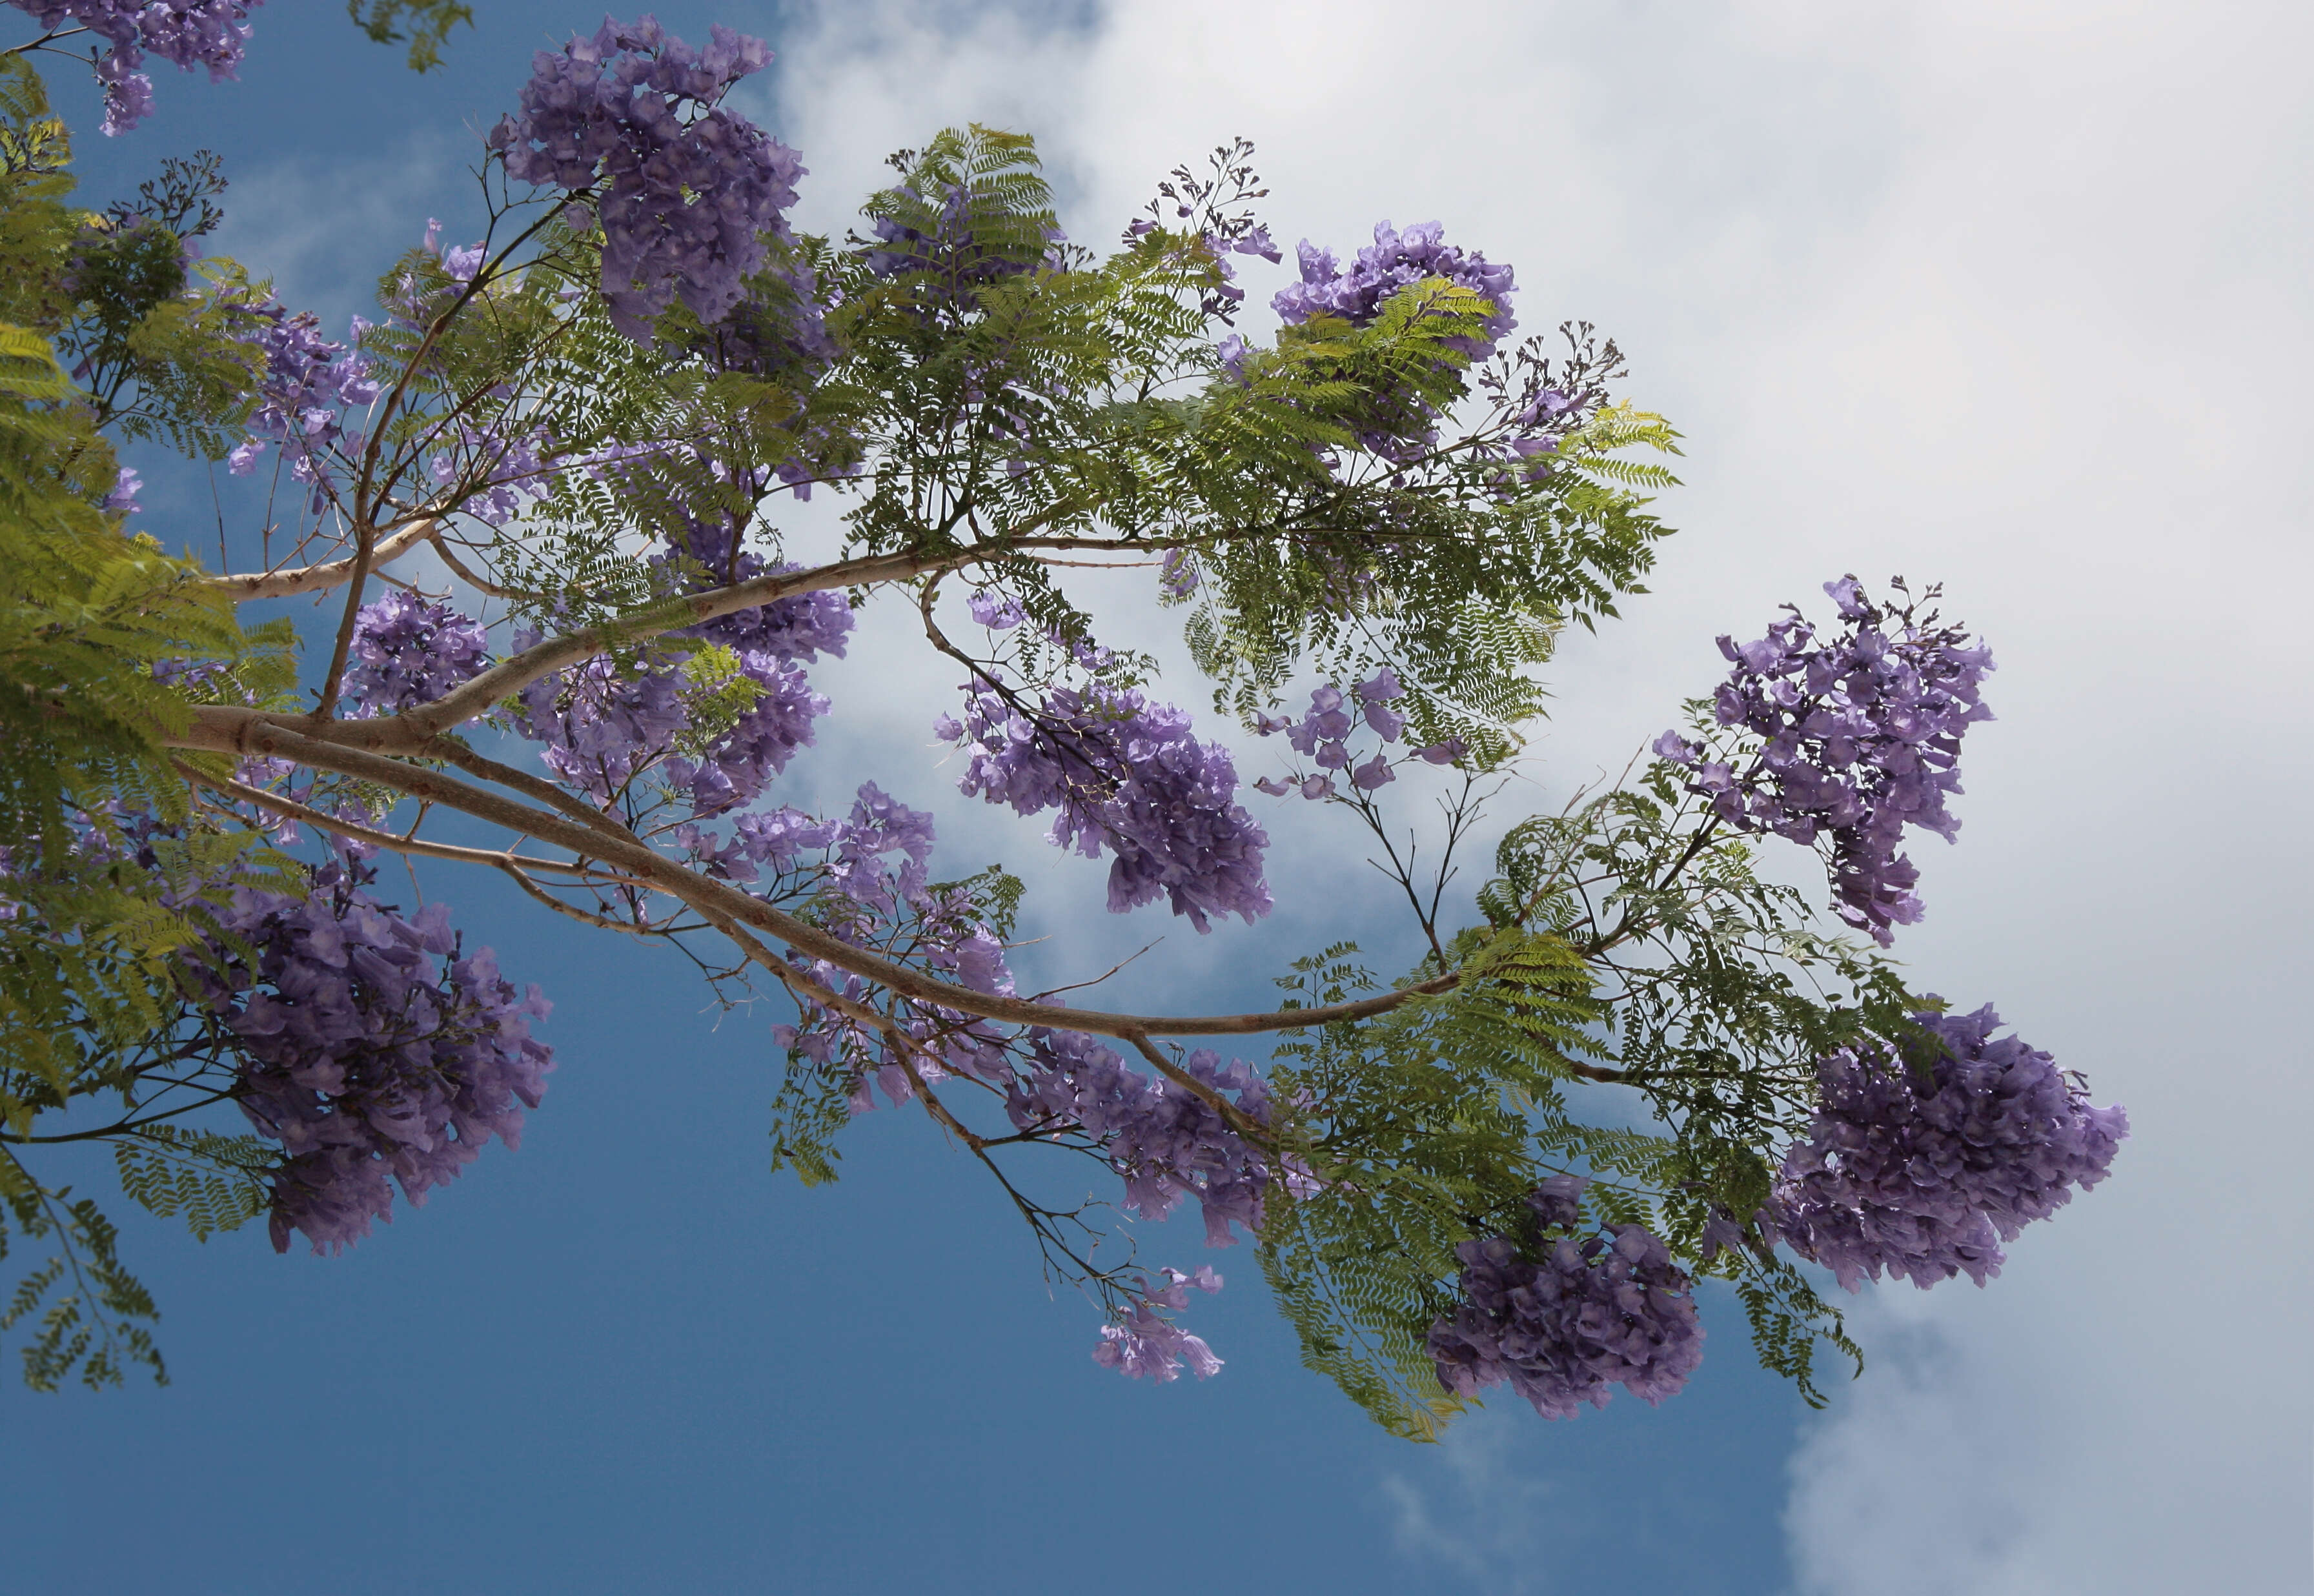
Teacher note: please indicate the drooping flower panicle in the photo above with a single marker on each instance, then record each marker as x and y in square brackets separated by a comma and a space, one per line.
[1924, 1172]
[1145, 1344]
[1128, 777]
[1861, 737]
[1566, 1319]
[373, 1047]
[1168, 1143]
[688, 188]
[190, 33]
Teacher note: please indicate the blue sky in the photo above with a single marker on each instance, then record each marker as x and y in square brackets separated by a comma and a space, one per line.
[2008, 295]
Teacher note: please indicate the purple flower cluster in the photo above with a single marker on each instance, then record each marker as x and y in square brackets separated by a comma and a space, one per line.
[304, 383]
[772, 840]
[122, 499]
[507, 463]
[1400, 427]
[1126, 775]
[407, 652]
[1166, 1141]
[1396, 261]
[1924, 1173]
[1147, 1344]
[1862, 738]
[1610, 1310]
[373, 1047]
[188, 33]
[602, 728]
[1322, 736]
[691, 188]
[869, 901]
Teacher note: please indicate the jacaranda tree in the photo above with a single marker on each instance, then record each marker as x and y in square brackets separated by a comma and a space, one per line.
[579, 418]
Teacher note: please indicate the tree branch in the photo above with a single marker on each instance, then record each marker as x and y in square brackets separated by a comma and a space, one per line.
[319, 579]
[259, 734]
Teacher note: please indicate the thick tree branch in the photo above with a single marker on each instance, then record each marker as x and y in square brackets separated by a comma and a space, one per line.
[320, 579]
[905, 1044]
[408, 733]
[394, 842]
[259, 734]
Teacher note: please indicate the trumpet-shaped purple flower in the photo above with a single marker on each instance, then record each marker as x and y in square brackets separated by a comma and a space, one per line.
[688, 188]
[1145, 1344]
[1923, 1172]
[1127, 776]
[1571, 1319]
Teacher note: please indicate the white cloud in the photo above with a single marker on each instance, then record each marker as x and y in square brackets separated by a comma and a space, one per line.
[1475, 1511]
[324, 232]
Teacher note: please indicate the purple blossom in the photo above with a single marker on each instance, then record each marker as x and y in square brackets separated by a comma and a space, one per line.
[1923, 1172]
[373, 1048]
[1127, 776]
[209, 33]
[879, 824]
[1168, 1143]
[870, 898]
[741, 762]
[690, 189]
[602, 729]
[998, 612]
[796, 629]
[1861, 738]
[1177, 576]
[775, 841]
[122, 499]
[1229, 357]
[1566, 1319]
[1322, 735]
[1396, 261]
[1147, 1344]
[407, 652]
[304, 383]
